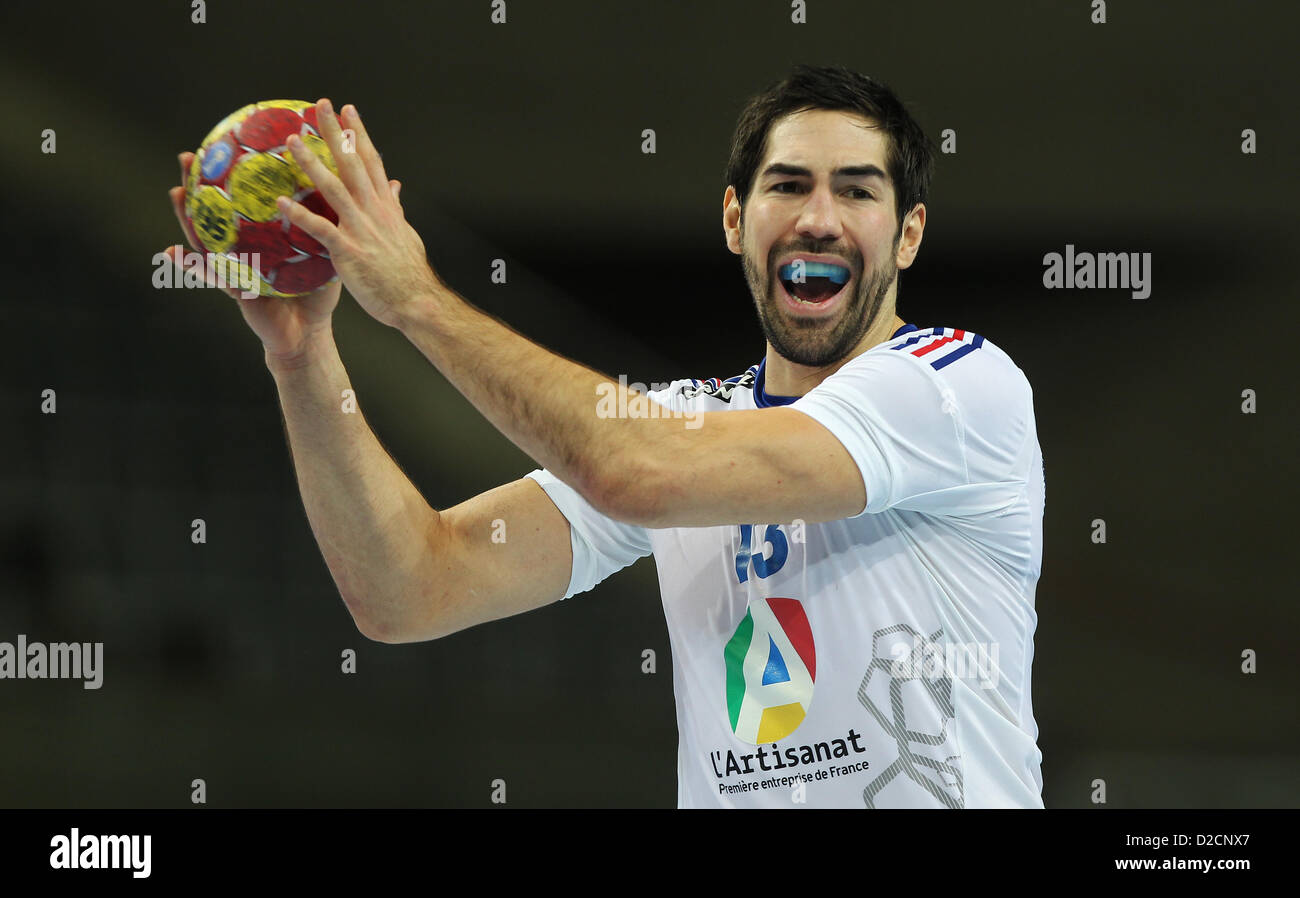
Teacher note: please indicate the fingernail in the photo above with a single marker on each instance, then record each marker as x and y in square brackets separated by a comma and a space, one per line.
[328, 108]
[283, 203]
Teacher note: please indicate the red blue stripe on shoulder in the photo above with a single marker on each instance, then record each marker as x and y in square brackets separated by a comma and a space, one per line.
[940, 346]
[719, 388]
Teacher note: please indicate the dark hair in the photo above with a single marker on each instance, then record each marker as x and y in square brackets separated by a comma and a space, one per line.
[909, 159]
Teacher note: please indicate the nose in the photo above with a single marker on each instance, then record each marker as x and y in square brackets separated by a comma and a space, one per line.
[819, 218]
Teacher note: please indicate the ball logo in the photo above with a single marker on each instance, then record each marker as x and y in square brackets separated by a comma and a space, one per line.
[771, 667]
[216, 159]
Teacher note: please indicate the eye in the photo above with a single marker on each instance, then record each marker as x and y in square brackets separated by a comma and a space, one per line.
[866, 194]
[782, 184]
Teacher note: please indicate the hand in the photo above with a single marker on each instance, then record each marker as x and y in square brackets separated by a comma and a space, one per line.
[285, 326]
[376, 252]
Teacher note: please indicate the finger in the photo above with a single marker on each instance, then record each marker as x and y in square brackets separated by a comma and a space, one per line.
[177, 195]
[351, 169]
[316, 226]
[396, 188]
[336, 193]
[185, 159]
[366, 149]
[186, 260]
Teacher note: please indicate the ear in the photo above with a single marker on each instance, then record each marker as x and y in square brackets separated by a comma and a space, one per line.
[909, 243]
[731, 213]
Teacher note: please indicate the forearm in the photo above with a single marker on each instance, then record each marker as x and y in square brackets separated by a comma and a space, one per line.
[545, 404]
[373, 527]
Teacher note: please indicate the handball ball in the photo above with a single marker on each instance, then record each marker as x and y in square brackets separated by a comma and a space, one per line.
[238, 172]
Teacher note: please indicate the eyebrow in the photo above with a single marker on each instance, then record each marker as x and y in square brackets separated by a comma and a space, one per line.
[847, 171]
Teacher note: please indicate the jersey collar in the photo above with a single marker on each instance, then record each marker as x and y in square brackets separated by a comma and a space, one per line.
[763, 400]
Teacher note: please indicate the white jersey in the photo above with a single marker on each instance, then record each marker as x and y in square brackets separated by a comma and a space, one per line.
[882, 660]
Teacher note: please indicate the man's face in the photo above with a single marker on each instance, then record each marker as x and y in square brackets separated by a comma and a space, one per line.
[821, 195]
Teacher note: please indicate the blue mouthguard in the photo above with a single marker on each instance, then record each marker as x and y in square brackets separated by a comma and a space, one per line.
[837, 274]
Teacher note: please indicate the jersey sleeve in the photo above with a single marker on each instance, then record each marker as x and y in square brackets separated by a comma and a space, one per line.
[949, 442]
[601, 545]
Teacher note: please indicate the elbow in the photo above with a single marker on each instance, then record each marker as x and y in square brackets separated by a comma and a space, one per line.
[386, 635]
[391, 634]
[372, 629]
[629, 490]
[405, 609]
[380, 629]
[423, 624]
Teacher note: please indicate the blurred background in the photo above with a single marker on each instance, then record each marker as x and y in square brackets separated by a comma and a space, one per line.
[522, 142]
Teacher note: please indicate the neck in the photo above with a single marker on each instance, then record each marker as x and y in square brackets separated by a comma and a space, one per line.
[783, 377]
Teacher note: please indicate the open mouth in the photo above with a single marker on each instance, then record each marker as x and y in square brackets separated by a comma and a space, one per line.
[813, 283]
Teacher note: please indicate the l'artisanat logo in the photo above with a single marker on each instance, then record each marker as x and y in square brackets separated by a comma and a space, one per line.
[771, 668]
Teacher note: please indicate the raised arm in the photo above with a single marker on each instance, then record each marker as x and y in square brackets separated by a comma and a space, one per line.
[406, 571]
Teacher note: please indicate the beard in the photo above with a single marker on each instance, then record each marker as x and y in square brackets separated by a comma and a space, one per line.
[817, 342]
